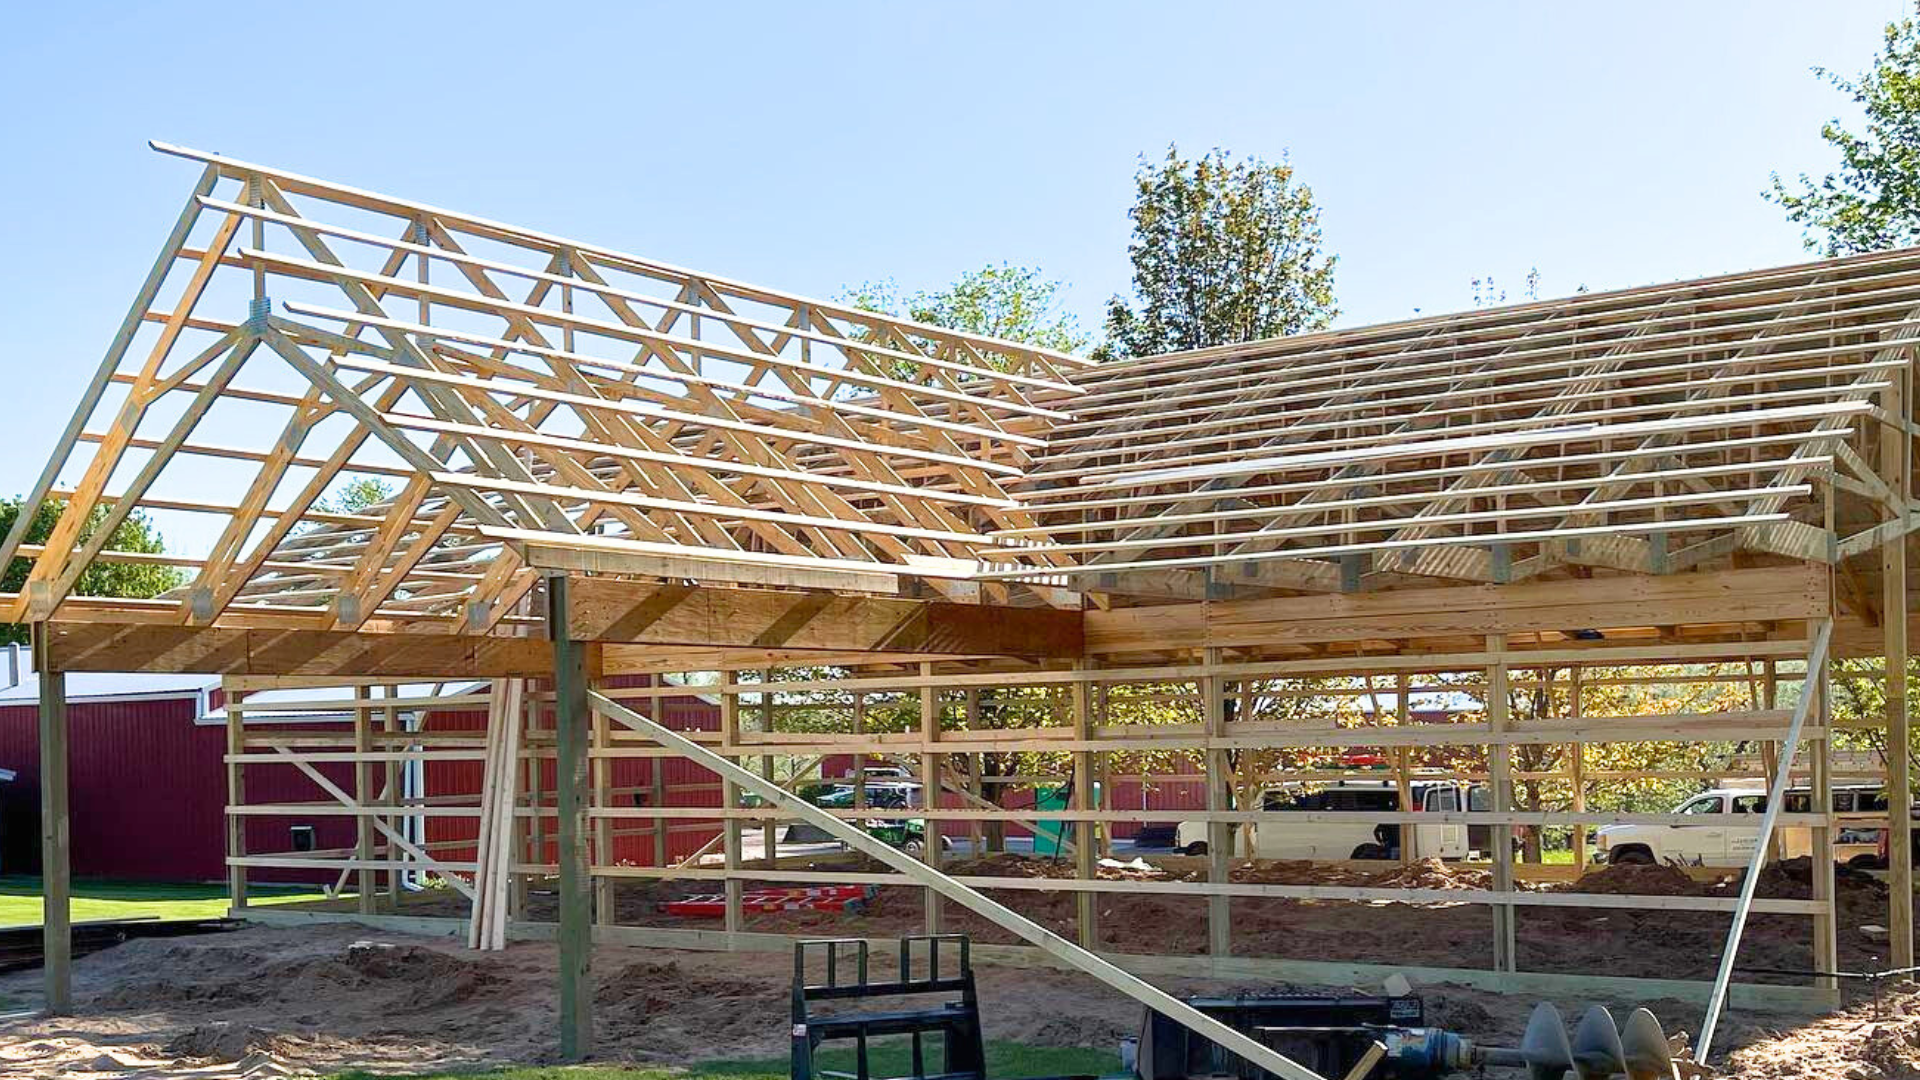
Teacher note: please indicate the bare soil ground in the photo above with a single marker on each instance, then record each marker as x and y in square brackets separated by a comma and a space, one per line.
[1642, 942]
[277, 1002]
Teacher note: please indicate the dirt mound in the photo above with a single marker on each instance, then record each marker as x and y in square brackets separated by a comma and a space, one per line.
[405, 978]
[1638, 879]
[663, 998]
[225, 1041]
[1858, 1043]
[1433, 874]
[1455, 1012]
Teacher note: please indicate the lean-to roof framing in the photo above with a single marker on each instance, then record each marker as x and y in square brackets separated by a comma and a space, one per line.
[543, 405]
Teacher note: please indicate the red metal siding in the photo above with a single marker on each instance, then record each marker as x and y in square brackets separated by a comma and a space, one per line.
[148, 790]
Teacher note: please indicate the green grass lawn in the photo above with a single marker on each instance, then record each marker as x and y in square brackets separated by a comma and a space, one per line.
[1004, 1059]
[20, 899]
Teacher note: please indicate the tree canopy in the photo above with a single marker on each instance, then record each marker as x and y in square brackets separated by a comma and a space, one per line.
[1223, 251]
[1873, 201]
[1015, 303]
[103, 578]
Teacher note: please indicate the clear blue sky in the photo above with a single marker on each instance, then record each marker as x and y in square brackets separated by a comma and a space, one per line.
[811, 146]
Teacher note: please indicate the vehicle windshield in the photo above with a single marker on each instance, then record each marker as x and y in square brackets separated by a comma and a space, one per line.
[1705, 804]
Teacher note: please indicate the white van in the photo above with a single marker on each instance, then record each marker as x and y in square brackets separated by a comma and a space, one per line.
[1286, 837]
[1729, 826]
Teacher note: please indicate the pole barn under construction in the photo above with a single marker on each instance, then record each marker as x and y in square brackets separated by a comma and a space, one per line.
[636, 497]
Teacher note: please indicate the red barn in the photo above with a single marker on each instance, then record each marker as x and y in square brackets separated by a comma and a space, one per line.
[147, 781]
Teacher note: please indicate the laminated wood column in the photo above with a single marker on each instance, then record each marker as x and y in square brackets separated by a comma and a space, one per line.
[975, 835]
[1770, 750]
[236, 797]
[730, 799]
[1577, 770]
[1085, 851]
[572, 671]
[1213, 705]
[930, 790]
[363, 802]
[1500, 788]
[657, 795]
[56, 882]
[769, 829]
[389, 727]
[1826, 945]
[602, 826]
[1896, 466]
[1402, 759]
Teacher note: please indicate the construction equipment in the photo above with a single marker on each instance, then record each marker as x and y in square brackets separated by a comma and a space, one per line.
[1383, 1038]
[956, 1020]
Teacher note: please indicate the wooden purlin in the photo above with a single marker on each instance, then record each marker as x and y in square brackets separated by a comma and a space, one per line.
[1230, 457]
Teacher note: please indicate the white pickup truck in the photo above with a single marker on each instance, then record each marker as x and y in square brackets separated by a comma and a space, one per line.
[1729, 826]
[1290, 834]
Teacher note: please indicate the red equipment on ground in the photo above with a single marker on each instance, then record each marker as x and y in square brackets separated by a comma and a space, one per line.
[844, 898]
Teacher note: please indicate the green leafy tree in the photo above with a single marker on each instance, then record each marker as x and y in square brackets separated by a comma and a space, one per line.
[354, 496]
[1223, 251]
[104, 577]
[1873, 201]
[1014, 303]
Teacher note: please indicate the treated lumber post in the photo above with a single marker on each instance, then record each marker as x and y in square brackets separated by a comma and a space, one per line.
[389, 726]
[769, 828]
[56, 882]
[1577, 770]
[571, 735]
[1402, 756]
[1213, 705]
[602, 826]
[1826, 943]
[236, 797]
[363, 803]
[1500, 790]
[1896, 464]
[730, 830]
[1085, 850]
[930, 790]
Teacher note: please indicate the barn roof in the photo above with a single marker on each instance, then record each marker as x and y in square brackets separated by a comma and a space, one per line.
[541, 404]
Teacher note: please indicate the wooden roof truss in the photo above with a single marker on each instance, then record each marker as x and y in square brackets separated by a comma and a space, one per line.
[542, 405]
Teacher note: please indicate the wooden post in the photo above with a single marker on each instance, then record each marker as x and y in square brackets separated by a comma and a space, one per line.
[1896, 465]
[572, 732]
[930, 790]
[975, 834]
[363, 803]
[1500, 792]
[657, 794]
[236, 797]
[1577, 768]
[602, 826]
[1085, 850]
[1402, 757]
[56, 883]
[1213, 706]
[390, 726]
[769, 829]
[1826, 943]
[730, 830]
[1770, 750]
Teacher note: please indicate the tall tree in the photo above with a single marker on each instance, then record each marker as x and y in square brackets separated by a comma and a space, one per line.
[354, 496]
[1223, 251]
[1015, 303]
[1873, 201]
[103, 578]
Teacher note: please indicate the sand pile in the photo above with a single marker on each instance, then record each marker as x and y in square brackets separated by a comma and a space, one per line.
[1858, 1044]
[1433, 874]
[398, 978]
